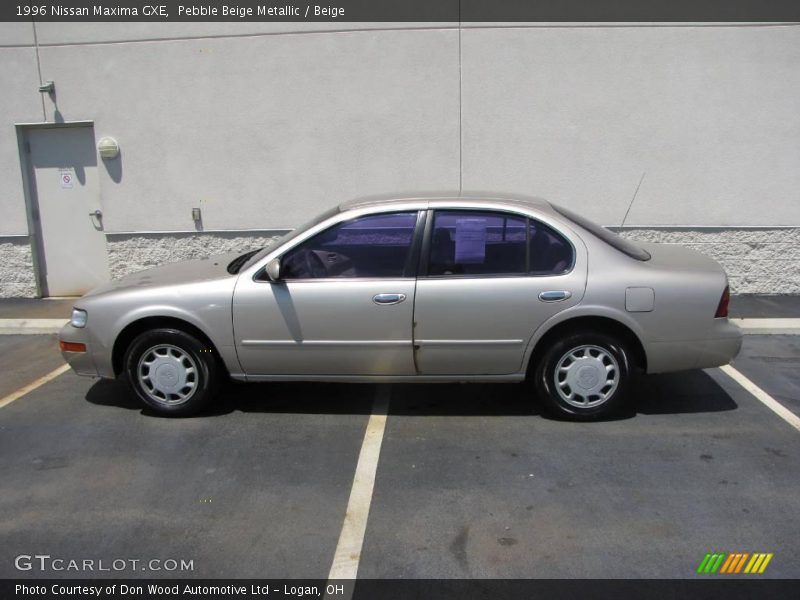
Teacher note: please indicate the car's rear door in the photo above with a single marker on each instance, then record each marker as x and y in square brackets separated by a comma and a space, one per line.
[343, 305]
[487, 281]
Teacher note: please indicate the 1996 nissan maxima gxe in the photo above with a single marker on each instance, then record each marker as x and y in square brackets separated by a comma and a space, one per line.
[414, 290]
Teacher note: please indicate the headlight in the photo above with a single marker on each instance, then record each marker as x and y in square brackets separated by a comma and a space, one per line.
[78, 318]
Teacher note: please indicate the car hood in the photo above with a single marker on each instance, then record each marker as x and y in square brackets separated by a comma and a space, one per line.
[186, 271]
[679, 258]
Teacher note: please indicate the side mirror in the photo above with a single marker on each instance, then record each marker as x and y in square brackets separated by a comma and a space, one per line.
[274, 269]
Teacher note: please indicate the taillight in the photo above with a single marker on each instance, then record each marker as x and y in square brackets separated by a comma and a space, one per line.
[722, 307]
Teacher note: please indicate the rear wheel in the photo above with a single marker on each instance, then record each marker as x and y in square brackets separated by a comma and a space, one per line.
[172, 372]
[583, 377]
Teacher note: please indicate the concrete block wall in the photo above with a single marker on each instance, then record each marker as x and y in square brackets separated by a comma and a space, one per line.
[129, 253]
[17, 279]
[757, 260]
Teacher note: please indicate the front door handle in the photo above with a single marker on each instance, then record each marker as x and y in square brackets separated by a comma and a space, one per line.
[386, 299]
[554, 295]
[96, 213]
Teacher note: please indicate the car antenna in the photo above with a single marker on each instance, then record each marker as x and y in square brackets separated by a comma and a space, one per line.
[641, 179]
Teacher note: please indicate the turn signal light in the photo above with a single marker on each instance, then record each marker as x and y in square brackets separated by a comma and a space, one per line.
[722, 308]
[71, 346]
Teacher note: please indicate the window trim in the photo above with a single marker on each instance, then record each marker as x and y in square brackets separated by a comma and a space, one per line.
[425, 254]
[417, 242]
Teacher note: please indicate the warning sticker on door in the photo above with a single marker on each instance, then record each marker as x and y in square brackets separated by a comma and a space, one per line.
[67, 177]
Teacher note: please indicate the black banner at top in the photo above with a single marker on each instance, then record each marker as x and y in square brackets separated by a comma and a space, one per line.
[564, 11]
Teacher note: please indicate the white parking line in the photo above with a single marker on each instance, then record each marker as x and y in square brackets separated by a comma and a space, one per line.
[775, 406]
[351, 538]
[33, 385]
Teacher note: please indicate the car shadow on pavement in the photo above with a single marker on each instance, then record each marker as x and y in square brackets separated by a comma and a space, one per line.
[108, 392]
[685, 392]
[348, 398]
[476, 399]
[675, 393]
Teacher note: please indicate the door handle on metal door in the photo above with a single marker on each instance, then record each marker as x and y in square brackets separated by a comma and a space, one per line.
[97, 213]
[554, 295]
[385, 299]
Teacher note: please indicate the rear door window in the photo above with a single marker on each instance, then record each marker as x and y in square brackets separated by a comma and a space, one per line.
[478, 243]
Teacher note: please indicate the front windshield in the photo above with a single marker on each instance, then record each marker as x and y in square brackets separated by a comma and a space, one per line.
[289, 236]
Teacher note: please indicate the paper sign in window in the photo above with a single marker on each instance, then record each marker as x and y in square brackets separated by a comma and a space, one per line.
[470, 241]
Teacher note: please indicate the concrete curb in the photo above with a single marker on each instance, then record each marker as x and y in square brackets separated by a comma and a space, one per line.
[748, 326]
[768, 326]
[30, 326]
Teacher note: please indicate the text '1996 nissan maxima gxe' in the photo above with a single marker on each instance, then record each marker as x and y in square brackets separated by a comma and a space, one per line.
[434, 289]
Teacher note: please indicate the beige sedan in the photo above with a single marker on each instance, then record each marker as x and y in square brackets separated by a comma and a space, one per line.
[432, 289]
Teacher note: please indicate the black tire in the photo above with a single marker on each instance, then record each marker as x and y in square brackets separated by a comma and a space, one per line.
[184, 359]
[601, 399]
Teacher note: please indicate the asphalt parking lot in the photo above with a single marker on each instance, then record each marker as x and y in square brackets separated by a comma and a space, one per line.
[471, 482]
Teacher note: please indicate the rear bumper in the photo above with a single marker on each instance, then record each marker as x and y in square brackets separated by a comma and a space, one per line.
[717, 352]
[719, 347]
[81, 362]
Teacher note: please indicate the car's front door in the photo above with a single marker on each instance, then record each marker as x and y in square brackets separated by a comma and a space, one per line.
[488, 281]
[343, 304]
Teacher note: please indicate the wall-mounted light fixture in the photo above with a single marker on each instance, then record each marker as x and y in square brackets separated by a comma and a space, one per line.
[108, 147]
[47, 87]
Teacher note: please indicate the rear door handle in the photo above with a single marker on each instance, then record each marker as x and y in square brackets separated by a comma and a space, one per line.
[554, 295]
[386, 299]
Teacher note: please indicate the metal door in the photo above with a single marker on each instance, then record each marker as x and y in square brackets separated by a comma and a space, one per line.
[324, 327]
[343, 306]
[66, 211]
[481, 323]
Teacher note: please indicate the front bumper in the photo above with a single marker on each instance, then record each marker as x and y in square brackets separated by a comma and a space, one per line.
[81, 362]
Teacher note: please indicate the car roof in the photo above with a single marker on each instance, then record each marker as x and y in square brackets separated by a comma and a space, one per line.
[467, 197]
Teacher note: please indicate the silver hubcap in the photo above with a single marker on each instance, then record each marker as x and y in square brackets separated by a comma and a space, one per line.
[167, 374]
[586, 376]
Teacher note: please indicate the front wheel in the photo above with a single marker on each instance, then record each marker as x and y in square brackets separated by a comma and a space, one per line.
[172, 372]
[584, 377]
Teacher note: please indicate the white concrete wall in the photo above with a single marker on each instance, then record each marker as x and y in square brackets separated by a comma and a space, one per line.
[263, 125]
[20, 102]
[709, 115]
[263, 131]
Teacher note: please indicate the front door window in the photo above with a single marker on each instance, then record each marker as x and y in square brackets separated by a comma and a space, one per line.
[375, 246]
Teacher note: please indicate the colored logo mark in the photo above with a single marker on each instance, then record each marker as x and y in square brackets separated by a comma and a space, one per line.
[734, 562]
